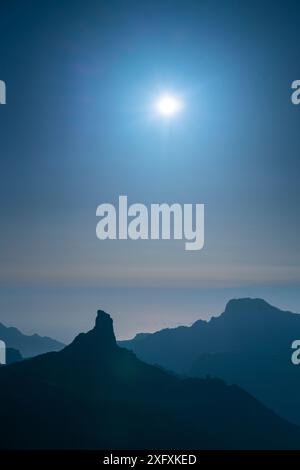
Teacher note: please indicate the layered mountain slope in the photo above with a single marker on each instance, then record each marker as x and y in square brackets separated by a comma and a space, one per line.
[249, 345]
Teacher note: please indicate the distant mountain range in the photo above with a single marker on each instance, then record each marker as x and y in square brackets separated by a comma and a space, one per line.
[28, 345]
[248, 345]
[94, 394]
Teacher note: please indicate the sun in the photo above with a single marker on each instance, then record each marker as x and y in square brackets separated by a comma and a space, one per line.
[168, 105]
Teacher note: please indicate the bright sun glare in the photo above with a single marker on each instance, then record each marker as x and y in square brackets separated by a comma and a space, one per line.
[168, 105]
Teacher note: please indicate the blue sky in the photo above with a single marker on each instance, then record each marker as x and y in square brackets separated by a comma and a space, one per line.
[76, 132]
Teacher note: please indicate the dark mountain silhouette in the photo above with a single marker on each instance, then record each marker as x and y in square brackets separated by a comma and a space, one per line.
[249, 345]
[94, 394]
[28, 345]
[13, 355]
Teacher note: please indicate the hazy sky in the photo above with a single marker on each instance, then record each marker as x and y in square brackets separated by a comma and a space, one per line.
[77, 132]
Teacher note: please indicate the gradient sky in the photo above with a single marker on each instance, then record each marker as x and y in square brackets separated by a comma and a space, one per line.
[77, 132]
